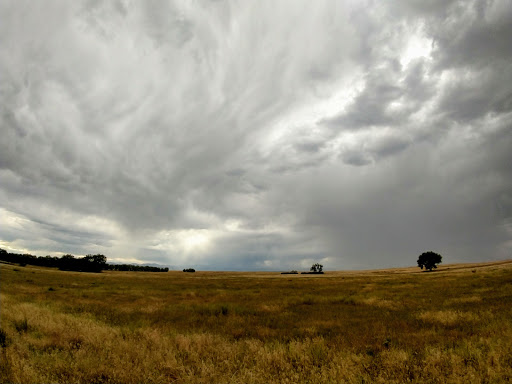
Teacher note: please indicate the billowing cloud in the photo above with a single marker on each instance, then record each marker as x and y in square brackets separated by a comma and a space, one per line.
[227, 135]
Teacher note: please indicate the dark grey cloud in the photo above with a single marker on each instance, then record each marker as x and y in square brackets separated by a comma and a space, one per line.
[231, 135]
[390, 97]
[475, 94]
[478, 36]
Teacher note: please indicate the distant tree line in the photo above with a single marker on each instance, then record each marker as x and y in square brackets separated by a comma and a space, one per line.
[89, 263]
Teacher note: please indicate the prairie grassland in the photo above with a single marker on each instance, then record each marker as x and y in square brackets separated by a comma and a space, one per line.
[395, 326]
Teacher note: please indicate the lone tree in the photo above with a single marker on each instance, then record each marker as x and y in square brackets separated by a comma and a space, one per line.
[429, 260]
[316, 268]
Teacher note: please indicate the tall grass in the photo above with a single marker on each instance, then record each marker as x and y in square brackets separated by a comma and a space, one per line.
[451, 325]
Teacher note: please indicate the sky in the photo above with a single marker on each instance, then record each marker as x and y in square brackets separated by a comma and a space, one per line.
[257, 135]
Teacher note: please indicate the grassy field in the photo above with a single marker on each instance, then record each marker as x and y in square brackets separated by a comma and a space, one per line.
[390, 326]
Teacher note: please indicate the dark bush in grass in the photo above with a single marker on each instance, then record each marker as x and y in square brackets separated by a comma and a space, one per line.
[4, 341]
[21, 325]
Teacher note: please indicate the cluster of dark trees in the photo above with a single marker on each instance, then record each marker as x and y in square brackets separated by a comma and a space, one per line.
[89, 263]
[316, 268]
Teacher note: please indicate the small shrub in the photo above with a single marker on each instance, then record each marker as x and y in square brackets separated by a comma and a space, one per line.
[76, 343]
[21, 325]
[4, 340]
[308, 301]
[189, 270]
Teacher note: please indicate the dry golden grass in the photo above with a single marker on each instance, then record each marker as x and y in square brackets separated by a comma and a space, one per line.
[389, 326]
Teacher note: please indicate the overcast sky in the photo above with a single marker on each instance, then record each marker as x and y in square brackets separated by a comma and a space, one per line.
[257, 135]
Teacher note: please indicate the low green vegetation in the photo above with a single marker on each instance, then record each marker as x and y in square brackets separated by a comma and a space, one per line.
[391, 326]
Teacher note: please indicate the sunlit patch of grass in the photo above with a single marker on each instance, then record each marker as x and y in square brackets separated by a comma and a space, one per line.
[448, 317]
[380, 303]
[464, 300]
[272, 308]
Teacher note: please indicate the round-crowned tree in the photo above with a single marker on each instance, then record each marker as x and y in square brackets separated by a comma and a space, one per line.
[429, 260]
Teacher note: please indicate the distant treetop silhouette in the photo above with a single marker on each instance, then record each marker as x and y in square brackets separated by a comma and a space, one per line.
[429, 260]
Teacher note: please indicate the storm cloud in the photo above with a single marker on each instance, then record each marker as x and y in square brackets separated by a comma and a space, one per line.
[257, 135]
